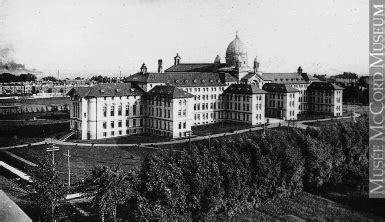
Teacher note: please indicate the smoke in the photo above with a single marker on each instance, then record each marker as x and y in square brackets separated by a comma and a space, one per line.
[8, 65]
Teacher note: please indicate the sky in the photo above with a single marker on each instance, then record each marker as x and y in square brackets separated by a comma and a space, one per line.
[88, 37]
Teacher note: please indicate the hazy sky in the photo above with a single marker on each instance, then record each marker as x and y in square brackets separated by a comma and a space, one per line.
[103, 37]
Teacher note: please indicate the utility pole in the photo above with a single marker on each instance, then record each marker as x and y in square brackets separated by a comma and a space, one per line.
[52, 149]
[189, 139]
[69, 167]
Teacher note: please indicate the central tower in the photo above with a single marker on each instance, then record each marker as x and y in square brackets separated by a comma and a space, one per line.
[236, 54]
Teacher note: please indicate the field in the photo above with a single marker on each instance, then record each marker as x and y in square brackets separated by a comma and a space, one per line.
[132, 139]
[312, 208]
[37, 101]
[85, 158]
[22, 128]
[55, 115]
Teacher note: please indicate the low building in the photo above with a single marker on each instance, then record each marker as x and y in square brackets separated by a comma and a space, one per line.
[281, 101]
[106, 110]
[245, 104]
[325, 98]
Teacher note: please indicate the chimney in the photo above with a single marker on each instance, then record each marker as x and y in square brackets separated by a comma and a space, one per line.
[143, 69]
[256, 64]
[299, 70]
[177, 59]
[160, 66]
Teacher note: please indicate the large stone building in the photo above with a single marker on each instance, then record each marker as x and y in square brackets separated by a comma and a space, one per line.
[168, 103]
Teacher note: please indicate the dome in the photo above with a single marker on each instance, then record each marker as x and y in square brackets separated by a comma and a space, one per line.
[236, 47]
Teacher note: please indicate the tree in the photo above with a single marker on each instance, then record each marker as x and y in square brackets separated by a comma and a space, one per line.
[109, 188]
[48, 191]
[50, 78]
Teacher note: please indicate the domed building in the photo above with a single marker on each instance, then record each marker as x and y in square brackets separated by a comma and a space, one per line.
[170, 103]
[236, 52]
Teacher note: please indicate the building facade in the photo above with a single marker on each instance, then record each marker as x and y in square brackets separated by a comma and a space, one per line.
[169, 102]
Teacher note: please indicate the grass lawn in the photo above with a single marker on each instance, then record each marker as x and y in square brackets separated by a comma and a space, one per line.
[132, 139]
[23, 129]
[312, 208]
[85, 158]
[215, 128]
[38, 101]
[55, 115]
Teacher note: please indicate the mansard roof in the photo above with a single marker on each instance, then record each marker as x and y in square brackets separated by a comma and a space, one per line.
[182, 79]
[107, 89]
[278, 87]
[285, 78]
[195, 67]
[324, 86]
[168, 92]
[244, 89]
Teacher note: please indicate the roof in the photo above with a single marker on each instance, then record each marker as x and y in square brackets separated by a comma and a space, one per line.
[285, 78]
[168, 92]
[236, 47]
[252, 74]
[244, 89]
[108, 89]
[278, 87]
[9, 211]
[181, 79]
[195, 67]
[324, 86]
[310, 78]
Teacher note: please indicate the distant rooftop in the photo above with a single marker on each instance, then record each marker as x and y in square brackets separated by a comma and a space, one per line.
[244, 89]
[107, 89]
[168, 92]
[278, 87]
[181, 79]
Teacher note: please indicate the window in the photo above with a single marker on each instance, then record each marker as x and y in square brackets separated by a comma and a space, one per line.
[120, 123]
[134, 110]
[120, 132]
[120, 110]
[127, 110]
[134, 122]
[180, 126]
[112, 110]
[104, 133]
[127, 123]
[112, 124]
[104, 110]
[112, 133]
[104, 125]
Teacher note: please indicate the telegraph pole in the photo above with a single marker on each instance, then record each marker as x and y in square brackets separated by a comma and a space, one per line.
[52, 149]
[69, 167]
